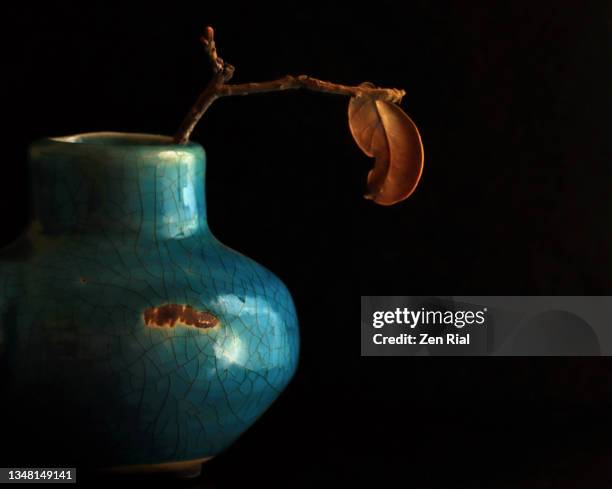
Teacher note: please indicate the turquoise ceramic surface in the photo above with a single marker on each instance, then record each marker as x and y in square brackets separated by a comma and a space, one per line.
[123, 312]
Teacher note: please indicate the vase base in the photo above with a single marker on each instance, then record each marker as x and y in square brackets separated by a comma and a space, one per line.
[184, 469]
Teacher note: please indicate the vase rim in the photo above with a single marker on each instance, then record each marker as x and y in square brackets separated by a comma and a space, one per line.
[120, 139]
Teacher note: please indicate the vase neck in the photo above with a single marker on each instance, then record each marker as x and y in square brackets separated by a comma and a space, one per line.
[113, 183]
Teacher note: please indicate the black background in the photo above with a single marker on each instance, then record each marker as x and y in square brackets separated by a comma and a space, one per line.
[513, 102]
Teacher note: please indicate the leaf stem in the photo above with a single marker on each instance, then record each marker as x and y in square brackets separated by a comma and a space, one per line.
[303, 81]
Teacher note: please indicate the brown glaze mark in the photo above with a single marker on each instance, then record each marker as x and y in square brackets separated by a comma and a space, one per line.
[169, 315]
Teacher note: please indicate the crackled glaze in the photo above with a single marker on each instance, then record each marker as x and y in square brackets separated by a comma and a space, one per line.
[120, 232]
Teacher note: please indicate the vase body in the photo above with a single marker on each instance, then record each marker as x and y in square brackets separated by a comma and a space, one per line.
[125, 323]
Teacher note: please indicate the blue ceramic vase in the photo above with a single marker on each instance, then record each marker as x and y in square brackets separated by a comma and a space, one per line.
[125, 323]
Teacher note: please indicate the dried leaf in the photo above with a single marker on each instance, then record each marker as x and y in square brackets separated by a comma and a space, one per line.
[384, 131]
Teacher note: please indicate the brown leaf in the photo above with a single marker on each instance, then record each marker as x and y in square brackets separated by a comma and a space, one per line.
[384, 131]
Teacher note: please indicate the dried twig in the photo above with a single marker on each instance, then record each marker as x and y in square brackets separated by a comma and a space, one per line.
[223, 72]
